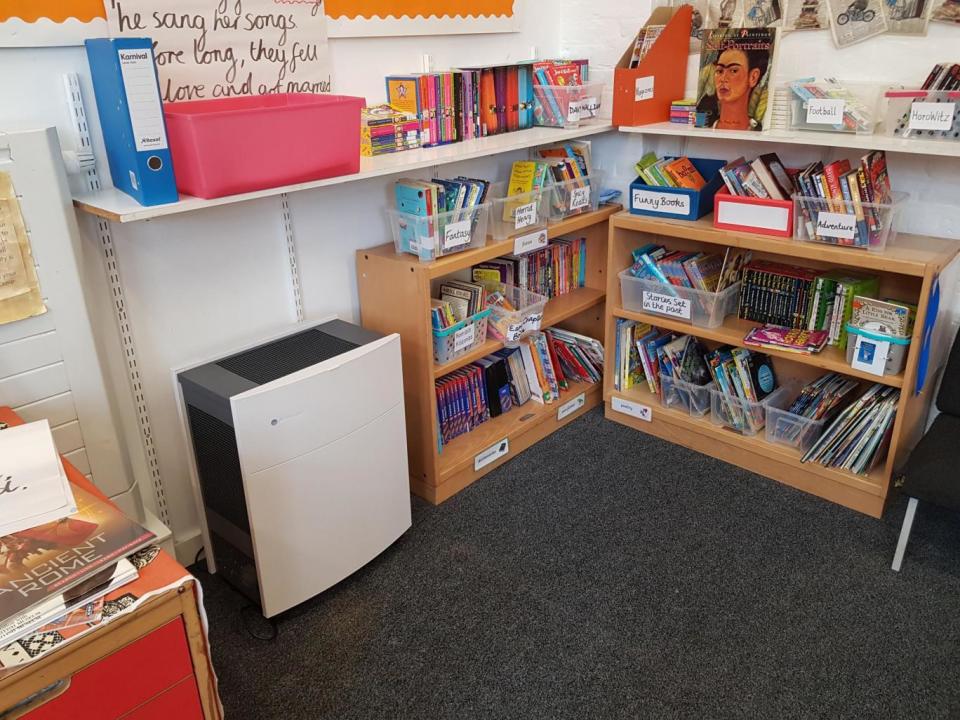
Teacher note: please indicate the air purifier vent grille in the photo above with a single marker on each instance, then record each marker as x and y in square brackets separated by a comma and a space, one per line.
[218, 465]
[289, 355]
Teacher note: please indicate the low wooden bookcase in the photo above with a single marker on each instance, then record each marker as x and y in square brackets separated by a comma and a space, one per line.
[907, 271]
[395, 291]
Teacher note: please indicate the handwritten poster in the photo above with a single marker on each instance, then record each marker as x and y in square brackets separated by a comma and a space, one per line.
[19, 287]
[368, 18]
[209, 49]
[40, 23]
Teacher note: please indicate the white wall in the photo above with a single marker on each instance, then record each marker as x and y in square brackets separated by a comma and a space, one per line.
[202, 282]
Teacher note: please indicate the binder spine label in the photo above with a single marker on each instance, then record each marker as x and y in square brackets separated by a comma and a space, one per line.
[143, 98]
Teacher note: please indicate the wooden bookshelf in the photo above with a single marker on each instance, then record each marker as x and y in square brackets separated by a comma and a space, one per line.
[395, 291]
[907, 270]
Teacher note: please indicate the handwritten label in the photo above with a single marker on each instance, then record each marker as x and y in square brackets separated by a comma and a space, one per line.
[836, 225]
[643, 89]
[457, 234]
[637, 410]
[529, 324]
[931, 116]
[582, 109]
[464, 337]
[580, 198]
[825, 111]
[529, 242]
[491, 454]
[571, 406]
[870, 355]
[525, 216]
[666, 305]
[661, 202]
[223, 48]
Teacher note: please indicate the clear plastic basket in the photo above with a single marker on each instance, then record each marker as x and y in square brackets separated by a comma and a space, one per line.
[575, 197]
[862, 225]
[830, 106]
[744, 416]
[923, 114]
[509, 326]
[684, 396]
[456, 340]
[566, 105]
[697, 307]
[513, 216]
[442, 234]
[787, 428]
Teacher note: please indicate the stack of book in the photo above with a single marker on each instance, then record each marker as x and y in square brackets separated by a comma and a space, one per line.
[892, 317]
[544, 364]
[857, 438]
[709, 272]
[458, 301]
[774, 337]
[385, 130]
[764, 178]
[840, 188]
[555, 270]
[669, 172]
[684, 112]
[744, 378]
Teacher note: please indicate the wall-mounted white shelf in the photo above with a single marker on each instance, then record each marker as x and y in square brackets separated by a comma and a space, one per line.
[117, 206]
[802, 137]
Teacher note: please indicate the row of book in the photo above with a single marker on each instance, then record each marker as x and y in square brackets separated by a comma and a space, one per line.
[856, 440]
[443, 204]
[669, 172]
[385, 130]
[470, 103]
[709, 272]
[557, 269]
[840, 188]
[765, 177]
[544, 364]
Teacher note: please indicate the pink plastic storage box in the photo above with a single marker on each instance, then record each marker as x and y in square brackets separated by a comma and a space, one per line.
[235, 145]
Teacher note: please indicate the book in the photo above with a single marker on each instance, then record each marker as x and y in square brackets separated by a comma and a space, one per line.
[790, 340]
[64, 552]
[684, 174]
[883, 316]
[736, 65]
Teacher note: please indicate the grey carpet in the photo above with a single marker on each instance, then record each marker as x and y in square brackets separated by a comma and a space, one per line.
[606, 573]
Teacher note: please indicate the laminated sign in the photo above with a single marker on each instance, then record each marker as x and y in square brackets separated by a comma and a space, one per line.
[19, 287]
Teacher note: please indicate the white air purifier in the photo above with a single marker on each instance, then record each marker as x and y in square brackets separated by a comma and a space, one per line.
[299, 459]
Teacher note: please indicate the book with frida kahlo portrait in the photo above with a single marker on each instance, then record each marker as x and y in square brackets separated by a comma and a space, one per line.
[736, 65]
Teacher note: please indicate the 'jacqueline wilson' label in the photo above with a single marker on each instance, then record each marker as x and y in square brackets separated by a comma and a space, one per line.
[643, 89]
[931, 116]
[666, 203]
[666, 305]
[637, 410]
[456, 234]
[836, 225]
[491, 454]
[571, 406]
[824, 111]
[464, 337]
[530, 241]
[579, 198]
[525, 216]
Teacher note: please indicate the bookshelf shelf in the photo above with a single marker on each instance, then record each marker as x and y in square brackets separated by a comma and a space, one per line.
[907, 270]
[117, 206]
[789, 137]
[830, 359]
[395, 292]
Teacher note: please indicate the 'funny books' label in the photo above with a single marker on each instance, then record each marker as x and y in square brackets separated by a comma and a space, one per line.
[931, 116]
[660, 202]
[456, 234]
[666, 305]
[637, 410]
[464, 337]
[491, 454]
[580, 198]
[643, 89]
[525, 216]
[530, 241]
[836, 225]
[825, 111]
[571, 406]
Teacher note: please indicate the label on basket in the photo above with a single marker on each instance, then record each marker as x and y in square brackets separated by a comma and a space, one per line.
[583, 108]
[637, 410]
[870, 355]
[491, 454]
[571, 406]
[931, 116]
[525, 216]
[661, 202]
[666, 305]
[573, 111]
[643, 89]
[580, 198]
[464, 337]
[825, 111]
[457, 234]
[530, 241]
[532, 322]
[836, 225]
[748, 215]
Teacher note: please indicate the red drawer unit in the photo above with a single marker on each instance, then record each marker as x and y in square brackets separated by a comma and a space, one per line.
[181, 702]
